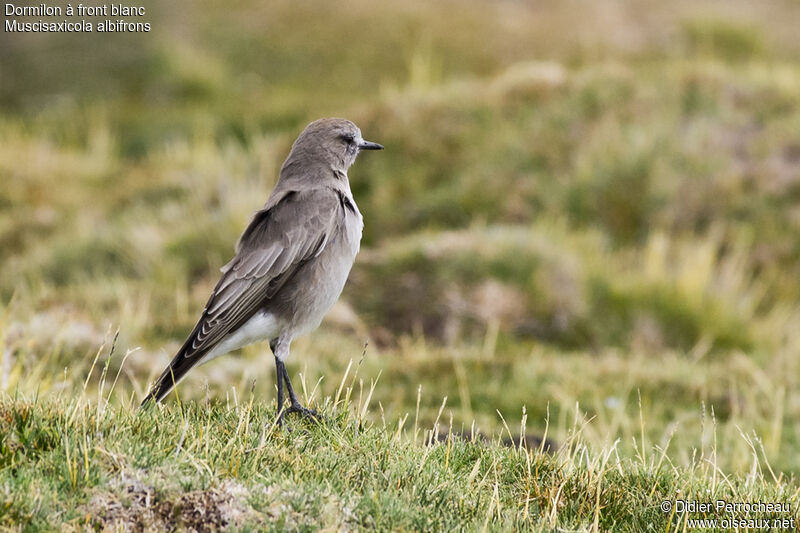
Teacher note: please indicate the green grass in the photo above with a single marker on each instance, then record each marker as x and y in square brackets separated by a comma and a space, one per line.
[207, 465]
[585, 218]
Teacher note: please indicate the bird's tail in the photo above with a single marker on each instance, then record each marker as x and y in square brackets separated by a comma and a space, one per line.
[172, 375]
[162, 386]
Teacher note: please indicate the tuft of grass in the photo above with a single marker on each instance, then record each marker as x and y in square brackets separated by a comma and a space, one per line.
[720, 38]
[95, 460]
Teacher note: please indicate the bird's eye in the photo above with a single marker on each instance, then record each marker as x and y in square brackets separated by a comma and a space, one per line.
[348, 137]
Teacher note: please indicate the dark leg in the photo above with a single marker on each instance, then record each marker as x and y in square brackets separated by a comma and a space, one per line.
[296, 406]
[283, 377]
[279, 377]
[293, 397]
[278, 373]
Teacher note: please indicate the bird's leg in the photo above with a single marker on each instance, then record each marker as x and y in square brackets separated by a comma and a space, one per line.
[273, 345]
[279, 376]
[281, 351]
[293, 397]
[296, 406]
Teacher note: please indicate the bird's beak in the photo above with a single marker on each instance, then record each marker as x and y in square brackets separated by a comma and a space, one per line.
[367, 145]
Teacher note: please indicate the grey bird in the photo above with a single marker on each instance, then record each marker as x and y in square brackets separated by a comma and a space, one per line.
[291, 262]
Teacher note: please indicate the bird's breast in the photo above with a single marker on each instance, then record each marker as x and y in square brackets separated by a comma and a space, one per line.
[319, 283]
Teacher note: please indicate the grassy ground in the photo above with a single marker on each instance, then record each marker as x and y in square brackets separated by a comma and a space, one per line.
[584, 226]
[90, 464]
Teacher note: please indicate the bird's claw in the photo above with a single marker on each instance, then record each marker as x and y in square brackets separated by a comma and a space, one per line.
[303, 411]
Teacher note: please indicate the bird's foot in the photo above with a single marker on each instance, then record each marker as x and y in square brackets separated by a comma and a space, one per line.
[303, 411]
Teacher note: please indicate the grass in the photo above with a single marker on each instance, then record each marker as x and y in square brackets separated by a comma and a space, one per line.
[204, 465]
[581, 230]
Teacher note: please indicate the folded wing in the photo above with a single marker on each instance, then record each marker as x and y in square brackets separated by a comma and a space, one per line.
[277, 242]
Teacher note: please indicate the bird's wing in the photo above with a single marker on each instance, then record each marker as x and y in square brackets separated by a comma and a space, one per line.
[279, 239]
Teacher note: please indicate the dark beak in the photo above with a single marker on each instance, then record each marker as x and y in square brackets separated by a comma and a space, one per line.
[367, 145]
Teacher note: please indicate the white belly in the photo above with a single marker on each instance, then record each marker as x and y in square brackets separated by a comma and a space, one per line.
[261, 326]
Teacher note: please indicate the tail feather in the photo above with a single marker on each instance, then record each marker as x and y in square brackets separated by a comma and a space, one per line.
[162, 386]
[172, 375]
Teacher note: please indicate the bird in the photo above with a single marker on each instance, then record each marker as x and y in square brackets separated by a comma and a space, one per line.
[290, 264]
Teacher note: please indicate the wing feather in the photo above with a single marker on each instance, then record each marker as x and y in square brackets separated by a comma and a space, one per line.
[278, 240]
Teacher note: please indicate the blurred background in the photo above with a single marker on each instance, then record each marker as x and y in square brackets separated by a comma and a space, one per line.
[589, 210]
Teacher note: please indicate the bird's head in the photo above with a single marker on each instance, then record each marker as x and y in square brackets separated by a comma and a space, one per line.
[336, 141]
